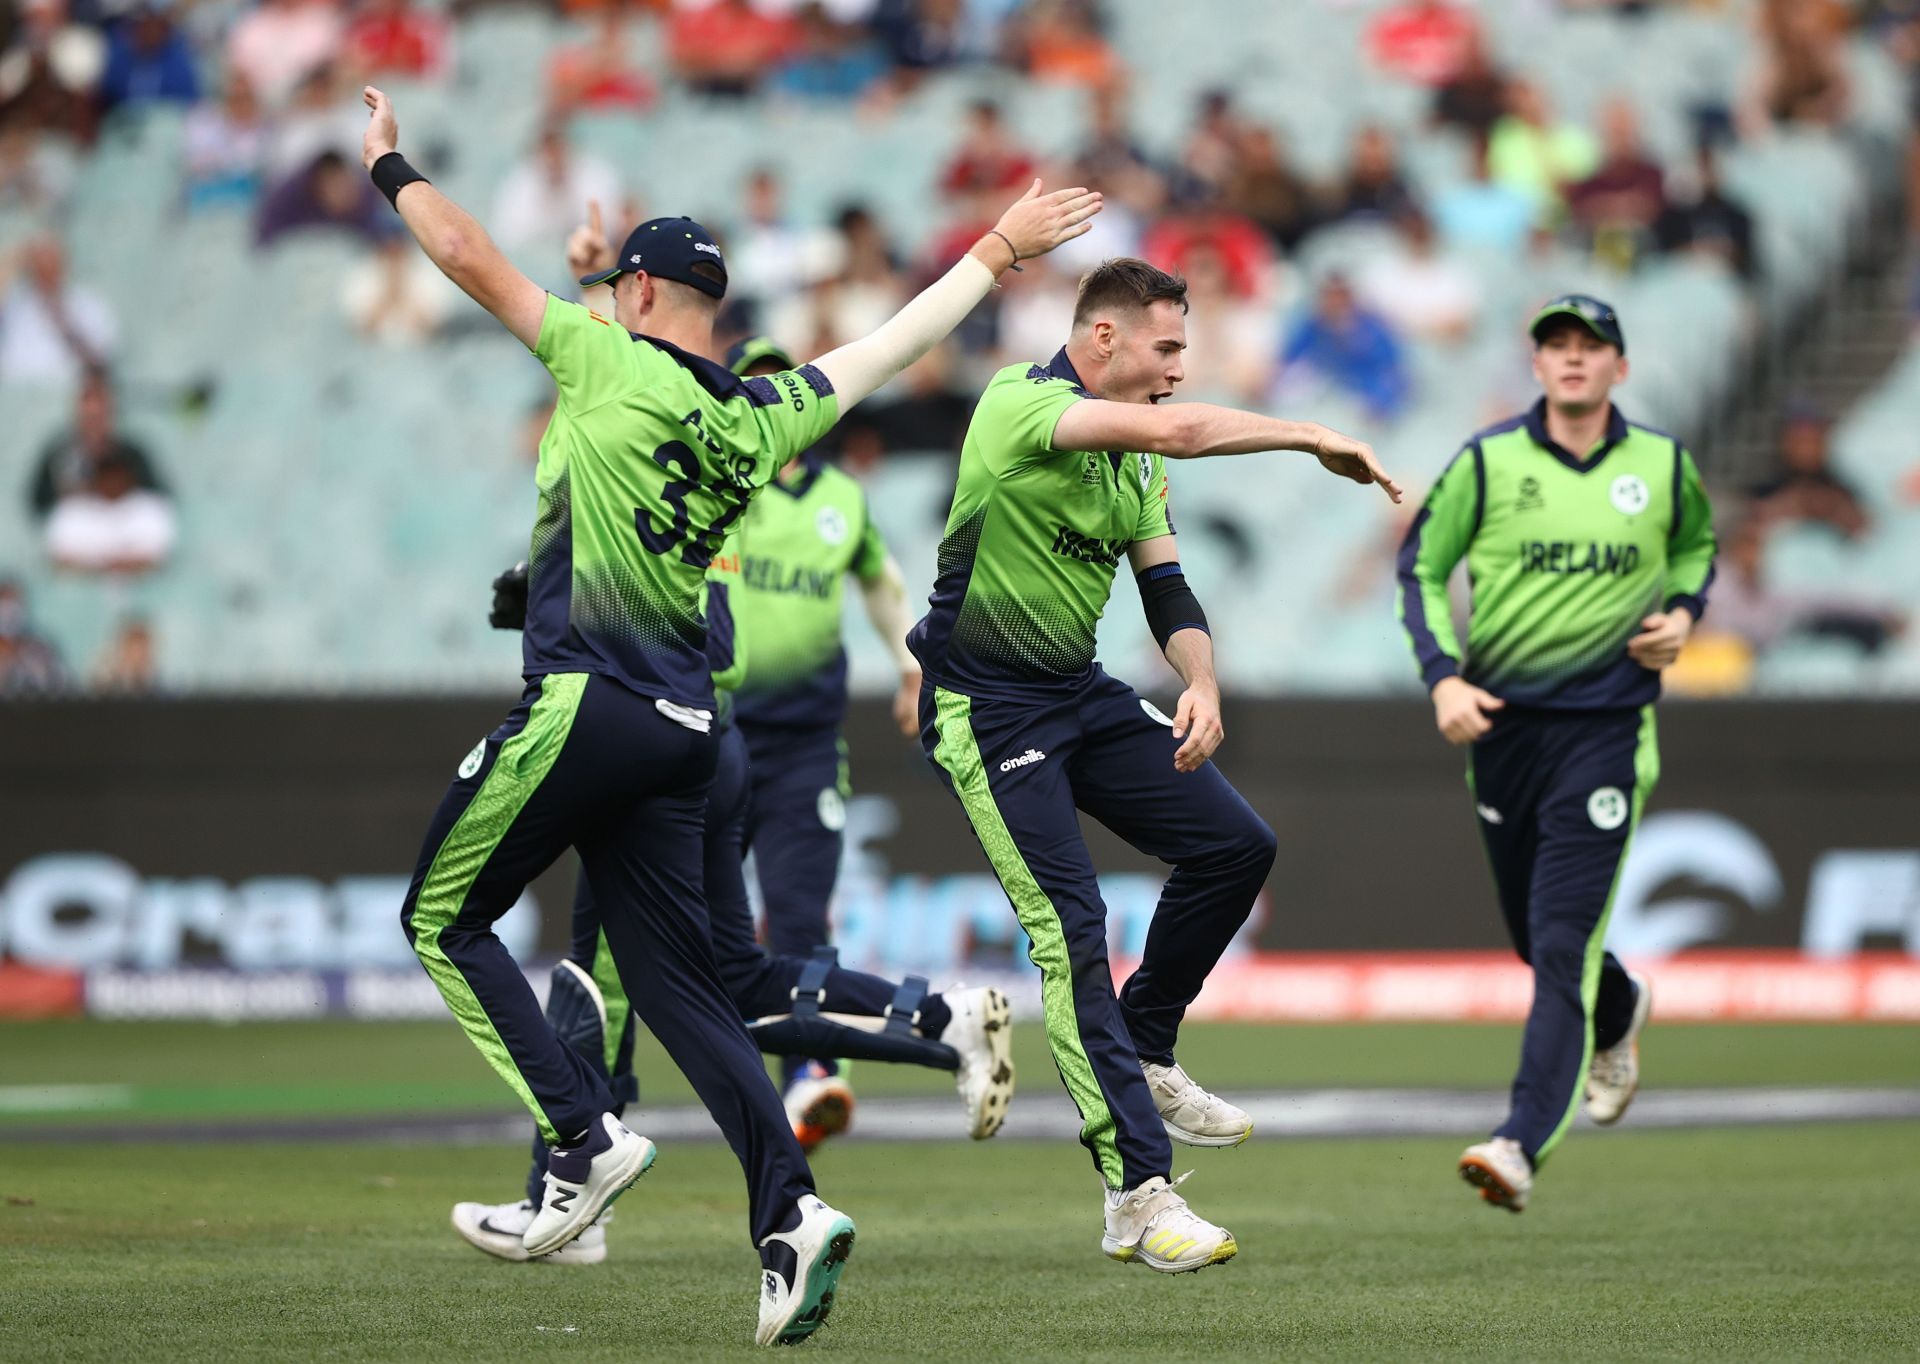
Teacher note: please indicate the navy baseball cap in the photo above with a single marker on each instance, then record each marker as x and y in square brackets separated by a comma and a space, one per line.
[743, 355]
[668, 248]
[1597, 317]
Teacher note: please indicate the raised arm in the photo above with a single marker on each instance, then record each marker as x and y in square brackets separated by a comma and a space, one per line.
[1032, 227]
[1197, 430]
[449, 235]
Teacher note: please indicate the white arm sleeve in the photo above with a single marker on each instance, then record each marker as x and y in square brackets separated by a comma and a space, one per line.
[886, 599]
[858, 368]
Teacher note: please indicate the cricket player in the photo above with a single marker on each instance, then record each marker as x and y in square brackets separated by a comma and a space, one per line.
[1589, 544]
[799, 544]
[651, 456]
[1061, 476]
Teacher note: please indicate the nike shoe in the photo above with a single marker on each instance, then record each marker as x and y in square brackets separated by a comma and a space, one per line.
[1152, 1225]
[583, 1180]
[500, 1228]
[1501, 1171]
[1190, 1114]
[819, 1106]
[1614, 1077]
[800, 1270]
[982, 1032]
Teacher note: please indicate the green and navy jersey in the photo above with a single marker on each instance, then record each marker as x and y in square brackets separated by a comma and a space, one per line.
[1566, 557]
[1032, 543]
[801, 538]
[651, 456]
[726, 648]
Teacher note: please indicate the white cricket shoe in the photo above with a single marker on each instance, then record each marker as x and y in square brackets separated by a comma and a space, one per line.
[795, 1299]
[1614, 1076]
[582, 1181]
[1190, 1114]
[498, 1229]
[982, 1032]
[818, 1105]
[1500, 1170]
[1153, 1226]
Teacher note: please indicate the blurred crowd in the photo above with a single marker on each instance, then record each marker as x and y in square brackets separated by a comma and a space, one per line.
[272, 131]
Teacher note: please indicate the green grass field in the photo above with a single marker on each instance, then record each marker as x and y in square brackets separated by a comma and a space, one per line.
[1759, 1243]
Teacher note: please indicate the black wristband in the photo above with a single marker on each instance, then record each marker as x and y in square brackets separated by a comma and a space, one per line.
[391, 174]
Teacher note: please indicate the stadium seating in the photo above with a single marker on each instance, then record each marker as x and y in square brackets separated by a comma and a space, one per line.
[339, 528]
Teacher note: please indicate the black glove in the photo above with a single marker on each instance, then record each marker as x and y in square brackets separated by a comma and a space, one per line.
[510, 599]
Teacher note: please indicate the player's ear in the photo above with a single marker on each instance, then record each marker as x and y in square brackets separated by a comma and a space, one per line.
[1620, 369]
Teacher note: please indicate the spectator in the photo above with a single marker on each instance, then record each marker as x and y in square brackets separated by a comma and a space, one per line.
[1806, 489]
[598, 74]
[224, 145]
[51, 331]
[394, 38]
[1802, 73]
[327, 195]
[1110, 155]
[923, 36]
[727, 47]
[49, 75]
[1346, 347]
[1421, 293]
[1231, 338]
[1701, 218]
[1480, 214]
[148, 60]
[110, 524]
[1535, 154]
[1374, 186]
[1035, 316]
[543, 197]
[929, 414]
[866, 290]
[771, 258]
[833, 61]
[988, 160]
[1620, 202]
[29, 666]
[126, 668]
[1426, 41]
[280, 43]
[318, 117]
[1244, 250]
[1475, 98]
[1212, 151]
[69, 461]
[1060, 43]
[1265, 190]
[34, 177]
[396, 295]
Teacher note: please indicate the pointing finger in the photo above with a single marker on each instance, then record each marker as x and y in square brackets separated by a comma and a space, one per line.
[593, 217]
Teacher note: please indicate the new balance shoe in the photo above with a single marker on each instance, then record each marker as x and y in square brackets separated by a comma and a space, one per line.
[982, 1032]
[500, 1230]
[1614, 1076]
[800, 1272]
[1191, 1115]
[1501, 1171]
[819, 1106]
[1152, 1225]
[582, 1180]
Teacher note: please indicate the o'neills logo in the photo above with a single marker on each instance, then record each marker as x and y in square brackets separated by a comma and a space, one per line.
[1031, 756]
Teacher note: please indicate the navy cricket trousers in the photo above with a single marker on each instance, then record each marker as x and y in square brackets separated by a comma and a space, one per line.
[584, 762]
[795, 824]
[1022, 771]
[1558, 795]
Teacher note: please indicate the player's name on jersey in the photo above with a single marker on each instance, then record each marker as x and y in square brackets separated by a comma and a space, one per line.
[1575, 556]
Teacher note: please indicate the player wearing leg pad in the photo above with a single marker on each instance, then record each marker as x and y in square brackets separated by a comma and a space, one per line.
[808, 1032]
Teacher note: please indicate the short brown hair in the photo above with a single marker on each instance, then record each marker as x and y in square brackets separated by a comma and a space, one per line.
[1125, 282]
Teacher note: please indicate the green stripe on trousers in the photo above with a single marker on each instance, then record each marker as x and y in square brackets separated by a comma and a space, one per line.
[1646, 771]
[613, 995]
[958, 754]
[522, 764]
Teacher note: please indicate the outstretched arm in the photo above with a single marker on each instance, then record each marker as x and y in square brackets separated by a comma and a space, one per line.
[1196, 430]
[1032, 227]
[451, 237]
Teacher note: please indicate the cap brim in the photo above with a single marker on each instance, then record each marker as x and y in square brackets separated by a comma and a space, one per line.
[588, 281]
[1554, 314]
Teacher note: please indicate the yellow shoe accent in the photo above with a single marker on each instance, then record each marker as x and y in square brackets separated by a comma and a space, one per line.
[1228, 1249]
